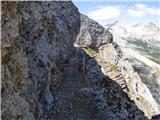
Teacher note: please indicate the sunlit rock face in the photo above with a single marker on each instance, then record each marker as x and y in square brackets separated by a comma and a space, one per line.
[37, 38]
[99, 45]
[92, 35]
[140, 43]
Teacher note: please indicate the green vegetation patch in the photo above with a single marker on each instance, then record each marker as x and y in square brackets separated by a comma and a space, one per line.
[90, 52]
[152, 52]
[145, 80]
[113, 67]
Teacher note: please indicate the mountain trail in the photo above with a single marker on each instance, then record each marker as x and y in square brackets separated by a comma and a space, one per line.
[70, 81]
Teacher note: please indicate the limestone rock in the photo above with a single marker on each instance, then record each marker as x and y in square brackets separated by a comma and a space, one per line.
[109, 57]
[37, 38]
[99, 104]
[93, 71]
[92, 34]
[16, 107]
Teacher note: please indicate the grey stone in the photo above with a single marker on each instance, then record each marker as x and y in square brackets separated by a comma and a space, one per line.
[92, 34]
[36, 38]
[47, 96]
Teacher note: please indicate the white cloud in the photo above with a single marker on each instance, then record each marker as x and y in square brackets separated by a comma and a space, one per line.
[149, 10]
[105, 13]
[135, 13]
[140, 10]
[140, 6]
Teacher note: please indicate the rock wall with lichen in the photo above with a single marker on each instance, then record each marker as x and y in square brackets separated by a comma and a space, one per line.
[37, 38]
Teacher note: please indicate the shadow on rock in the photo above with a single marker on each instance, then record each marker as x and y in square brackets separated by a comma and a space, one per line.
[98, 99]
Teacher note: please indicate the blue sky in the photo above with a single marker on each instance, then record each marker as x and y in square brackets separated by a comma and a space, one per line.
[108, 11]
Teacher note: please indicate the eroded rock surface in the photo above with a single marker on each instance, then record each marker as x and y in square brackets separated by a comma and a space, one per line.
[37, 38]
[92, 35]
[110, 60]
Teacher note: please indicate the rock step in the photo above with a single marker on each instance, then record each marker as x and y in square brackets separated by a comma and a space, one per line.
[69, 87]
[120, 82]
[118, 79]
[70, 77]
[65, 75]
[116, 76]
[67, 90]
[70, 65]
[74, 59]
[70, 80]
[69, 84]
[71, 68]
[62, 93]
[73, 64]
[67, 79]
[70, 71]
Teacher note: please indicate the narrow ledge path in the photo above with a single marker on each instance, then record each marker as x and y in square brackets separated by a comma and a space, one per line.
[70, 80]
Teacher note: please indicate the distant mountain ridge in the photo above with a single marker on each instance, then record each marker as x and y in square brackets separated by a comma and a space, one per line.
[144, 31]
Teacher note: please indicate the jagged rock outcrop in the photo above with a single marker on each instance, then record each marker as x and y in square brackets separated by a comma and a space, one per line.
[37, 38]
[93, 36]
[110, 58]
[139, 42]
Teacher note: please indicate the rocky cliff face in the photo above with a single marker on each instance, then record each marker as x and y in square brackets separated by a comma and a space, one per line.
[99, 45]
[140, 43]
[37, 42]
[37, 38]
